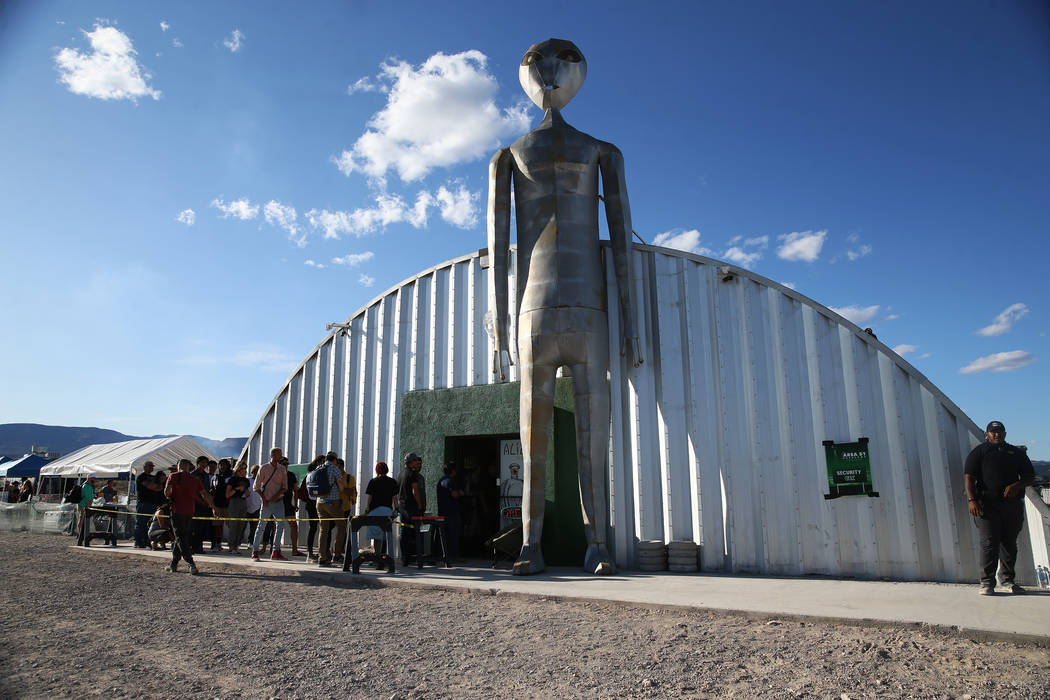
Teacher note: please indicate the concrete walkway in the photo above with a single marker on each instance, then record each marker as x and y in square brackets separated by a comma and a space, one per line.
[949, 607]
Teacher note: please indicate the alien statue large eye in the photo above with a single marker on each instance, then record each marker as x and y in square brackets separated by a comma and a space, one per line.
[570, 55]
[530, 58]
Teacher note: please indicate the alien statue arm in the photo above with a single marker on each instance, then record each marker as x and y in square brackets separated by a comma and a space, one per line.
[618, 214]
[499, 252]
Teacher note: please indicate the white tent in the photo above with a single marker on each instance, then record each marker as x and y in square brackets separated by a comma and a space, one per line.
[109, 460]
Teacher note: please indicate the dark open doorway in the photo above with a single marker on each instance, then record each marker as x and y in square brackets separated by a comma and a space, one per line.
[477, 459]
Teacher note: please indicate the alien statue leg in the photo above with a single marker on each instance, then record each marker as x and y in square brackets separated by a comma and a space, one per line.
[591, 390]
[535, 353]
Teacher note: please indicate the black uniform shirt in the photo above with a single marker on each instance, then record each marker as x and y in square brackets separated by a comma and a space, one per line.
[996, 467]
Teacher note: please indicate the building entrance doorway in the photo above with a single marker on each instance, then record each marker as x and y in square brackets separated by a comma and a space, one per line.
[477, 460]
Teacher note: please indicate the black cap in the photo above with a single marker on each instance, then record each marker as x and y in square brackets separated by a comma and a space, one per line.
[331, 456]
[412, 457]
[995, 427]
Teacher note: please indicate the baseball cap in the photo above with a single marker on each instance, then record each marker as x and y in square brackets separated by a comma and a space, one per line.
[995, 427]
[412, 457]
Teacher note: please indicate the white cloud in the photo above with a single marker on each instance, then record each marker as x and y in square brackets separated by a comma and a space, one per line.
[760, 241]
[263, 356]
[903, 349]
[176, 43]
[233, 41]
[1005, 320]
[857, 253]
[790, 285]
[109, 72]
[164, 26]
[999, 362]
[803, 245]
[311, 263]
[924, 355]
[187, 216]
[857, 314]
[352, 259]
[438, 114]
[241, 209]
[689, 241]
[366, 280]
[741, 257]
[363, 85]
[458, 208]
[284, 217]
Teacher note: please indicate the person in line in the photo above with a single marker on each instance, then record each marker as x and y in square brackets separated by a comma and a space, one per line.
[324, 484]
[160, 532]
[184, 490]
[148, 496]
[348, 497]
[237, 490]
[87, 497]
[26, 491]
[270, 484]
[995, 476]
[449, 496]
[201, 527]
[311, 508]
[382, 499]
[218, 494]
[254, 504]
[291, 508]
[411, 501]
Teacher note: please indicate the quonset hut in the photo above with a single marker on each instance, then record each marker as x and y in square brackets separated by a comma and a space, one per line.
[717, 438]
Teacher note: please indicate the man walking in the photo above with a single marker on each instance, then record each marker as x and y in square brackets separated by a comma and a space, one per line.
[325, 484]
[996, 475]
[185, 490]
[87, 497]
[149, 496]
[271, 483]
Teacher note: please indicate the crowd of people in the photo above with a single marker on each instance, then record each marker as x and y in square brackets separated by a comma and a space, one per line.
[17, 492]
[249, 509]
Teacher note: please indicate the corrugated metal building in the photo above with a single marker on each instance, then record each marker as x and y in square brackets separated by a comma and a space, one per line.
[716, 438]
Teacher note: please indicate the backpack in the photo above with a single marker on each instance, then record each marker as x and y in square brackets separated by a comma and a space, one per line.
[74, 494]
[318, 485]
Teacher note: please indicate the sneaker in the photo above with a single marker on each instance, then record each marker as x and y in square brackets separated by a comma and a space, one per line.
[338, 558]
[216, 549]
[255, 556]
[235, 552]
[193, 570]
[1016, 590]
[170, 568]
[297, 553]
[312, 558]
[277, 556]
[324, 564]
[987, 590]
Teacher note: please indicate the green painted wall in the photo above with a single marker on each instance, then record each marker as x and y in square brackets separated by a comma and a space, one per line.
[428, 417]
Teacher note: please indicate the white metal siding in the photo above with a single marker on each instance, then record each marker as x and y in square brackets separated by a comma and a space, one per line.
[715, 438]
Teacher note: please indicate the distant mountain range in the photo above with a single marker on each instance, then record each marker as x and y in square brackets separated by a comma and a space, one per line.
[16, 439]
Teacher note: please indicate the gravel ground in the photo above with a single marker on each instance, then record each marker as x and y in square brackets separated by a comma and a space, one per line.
[74, 624]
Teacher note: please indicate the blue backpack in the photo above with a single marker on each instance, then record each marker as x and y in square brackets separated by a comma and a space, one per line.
[318, 485]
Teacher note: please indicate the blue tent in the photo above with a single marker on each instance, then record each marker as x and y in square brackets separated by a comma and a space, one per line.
[26, 466]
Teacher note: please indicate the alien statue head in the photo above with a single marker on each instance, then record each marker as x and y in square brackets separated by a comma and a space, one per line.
[552, 72]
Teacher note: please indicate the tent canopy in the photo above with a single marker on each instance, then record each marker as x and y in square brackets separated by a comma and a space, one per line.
[109, 460]
[28, 465]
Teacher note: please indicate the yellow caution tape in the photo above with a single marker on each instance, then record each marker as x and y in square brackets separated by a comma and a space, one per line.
[95, 509]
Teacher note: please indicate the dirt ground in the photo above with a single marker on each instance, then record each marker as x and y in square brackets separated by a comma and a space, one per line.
[74, 624]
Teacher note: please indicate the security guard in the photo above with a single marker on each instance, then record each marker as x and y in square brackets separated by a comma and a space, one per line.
[996, 475]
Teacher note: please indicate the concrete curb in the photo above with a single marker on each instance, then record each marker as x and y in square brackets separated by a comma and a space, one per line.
[616, 593]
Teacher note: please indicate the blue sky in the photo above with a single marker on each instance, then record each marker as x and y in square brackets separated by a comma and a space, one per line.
[191, 190]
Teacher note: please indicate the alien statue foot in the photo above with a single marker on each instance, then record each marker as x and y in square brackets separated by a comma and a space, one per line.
[530, 561]
[598, 561]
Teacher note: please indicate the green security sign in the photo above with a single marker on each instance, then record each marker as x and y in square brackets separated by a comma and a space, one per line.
[849, 469]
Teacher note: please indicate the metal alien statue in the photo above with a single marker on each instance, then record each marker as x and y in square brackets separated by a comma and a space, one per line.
[562, 318]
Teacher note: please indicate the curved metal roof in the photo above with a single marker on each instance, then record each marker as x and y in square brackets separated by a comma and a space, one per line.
[716, 438]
